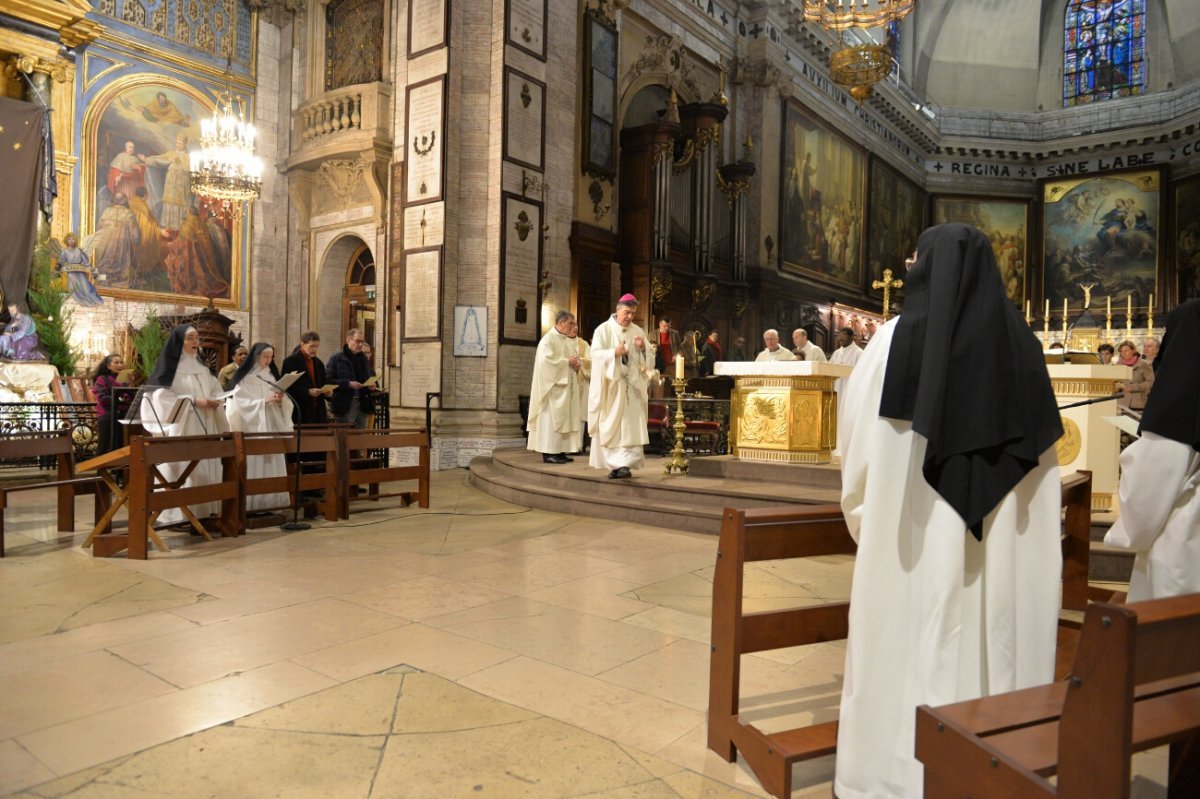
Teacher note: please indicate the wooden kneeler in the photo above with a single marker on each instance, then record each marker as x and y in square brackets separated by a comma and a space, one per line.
[755, 535]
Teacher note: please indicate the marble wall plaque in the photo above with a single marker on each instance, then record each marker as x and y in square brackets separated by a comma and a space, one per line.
[524, 119]
[426, 144]
[516, 375]
[526, 26]
[520, 300]
[424, 226]
[422, 373]
[422, 294]
[426, 25]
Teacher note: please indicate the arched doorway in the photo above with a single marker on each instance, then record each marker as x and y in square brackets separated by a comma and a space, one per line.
[358, 296]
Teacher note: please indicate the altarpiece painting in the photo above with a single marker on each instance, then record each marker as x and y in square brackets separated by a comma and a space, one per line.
[147, 234]
[822, 189]
[1006, 224]
[1187, 237]
[896, 215]
[1103, 231]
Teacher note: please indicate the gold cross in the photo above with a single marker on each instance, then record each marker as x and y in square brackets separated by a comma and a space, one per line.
[887, 284]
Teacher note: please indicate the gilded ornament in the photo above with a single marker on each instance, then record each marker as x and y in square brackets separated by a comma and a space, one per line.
[1067, 448]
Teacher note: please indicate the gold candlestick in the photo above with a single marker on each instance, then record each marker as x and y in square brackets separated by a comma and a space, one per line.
[1046, 328]
[678, 460]
[1150, 318]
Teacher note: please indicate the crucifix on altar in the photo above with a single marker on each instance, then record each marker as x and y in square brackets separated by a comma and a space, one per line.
[887, 284]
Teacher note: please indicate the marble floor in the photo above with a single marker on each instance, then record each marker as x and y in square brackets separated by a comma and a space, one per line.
[473, 649]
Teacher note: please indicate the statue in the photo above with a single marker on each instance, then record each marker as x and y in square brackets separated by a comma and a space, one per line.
[19, 341]
[1087, 293]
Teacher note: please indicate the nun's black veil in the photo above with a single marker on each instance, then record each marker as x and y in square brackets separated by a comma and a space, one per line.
[251, 361]
[969, 374]
[1173, 406]
[168, 359]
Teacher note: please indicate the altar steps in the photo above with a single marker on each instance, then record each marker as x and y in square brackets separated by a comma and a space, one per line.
[695, 503]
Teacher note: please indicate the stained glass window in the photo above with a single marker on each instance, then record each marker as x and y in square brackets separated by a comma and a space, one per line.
[1104, 50]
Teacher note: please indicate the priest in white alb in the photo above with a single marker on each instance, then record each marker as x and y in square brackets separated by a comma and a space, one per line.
[622, 364]
[555, 422]
[1160, 472]
[773, 350]
[950, 486]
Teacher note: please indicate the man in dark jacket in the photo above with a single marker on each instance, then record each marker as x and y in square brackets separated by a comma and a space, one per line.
[349, 371]
[306, 391]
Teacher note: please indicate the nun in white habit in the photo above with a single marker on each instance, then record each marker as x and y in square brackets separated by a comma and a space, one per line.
[1160, 472]
[950, 486]
[258, 406]
[180, 373]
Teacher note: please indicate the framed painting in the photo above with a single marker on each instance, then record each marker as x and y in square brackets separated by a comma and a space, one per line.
[1187, 238]
[599, 96]
[823, 186]
[1103, 232]
[896, 215]
[1006, 224]
[148, 236]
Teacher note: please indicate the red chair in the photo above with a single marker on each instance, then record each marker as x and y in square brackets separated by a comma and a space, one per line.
[660, 424]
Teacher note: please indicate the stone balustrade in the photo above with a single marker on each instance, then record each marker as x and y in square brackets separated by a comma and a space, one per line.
[342, 121]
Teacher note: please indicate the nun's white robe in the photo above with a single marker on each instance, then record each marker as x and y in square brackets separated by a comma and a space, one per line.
[935, 616]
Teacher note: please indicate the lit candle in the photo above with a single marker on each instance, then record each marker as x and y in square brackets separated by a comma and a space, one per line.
[1027, 316]
[1129, 308]
[1152, 302]
[1064, 309]
[1108, 305]
[1047, 315]
[679, 373]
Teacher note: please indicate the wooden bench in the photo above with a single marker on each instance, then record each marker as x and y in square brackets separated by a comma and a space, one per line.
[56, 444]
[1135, 685]
[810, 531]
[321, 442]
[354, 472]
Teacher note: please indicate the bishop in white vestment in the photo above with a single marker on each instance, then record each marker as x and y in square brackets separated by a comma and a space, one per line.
[179, 373]
[621, 365]
[950, 486]
[556, 404]
[257, 406]
[1160, 472]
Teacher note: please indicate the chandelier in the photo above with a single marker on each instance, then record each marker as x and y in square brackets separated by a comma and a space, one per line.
[225, 167]
[858, 67]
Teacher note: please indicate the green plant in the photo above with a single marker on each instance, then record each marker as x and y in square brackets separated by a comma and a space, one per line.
[147, 344]
[46, 307]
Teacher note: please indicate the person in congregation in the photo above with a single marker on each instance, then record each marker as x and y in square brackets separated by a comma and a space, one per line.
[950, 487]
[669, 342]
[738, 351]
[1106, 353]
[306, 394]
[1137, 388]
[349, 371]
[804, 349]
[180, 374]
[710, 354]
[1150, 352]
[773, 351]
[1160, 472]
[108, 411]
[848, 351]
[621, 366]
[258, 406]
[555, 422]
[227, 371]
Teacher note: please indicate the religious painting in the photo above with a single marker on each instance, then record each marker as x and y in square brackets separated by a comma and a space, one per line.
[896, 215]
[823, 186]
[145, 232]
[1006, 224]
[599, 96]
[1104, 50]
[1101, 233]
[1187, 238]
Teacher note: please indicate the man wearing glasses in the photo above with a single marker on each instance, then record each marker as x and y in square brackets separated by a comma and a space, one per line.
[348, 370]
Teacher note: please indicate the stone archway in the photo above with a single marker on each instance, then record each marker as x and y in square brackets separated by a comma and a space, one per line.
[331, 286]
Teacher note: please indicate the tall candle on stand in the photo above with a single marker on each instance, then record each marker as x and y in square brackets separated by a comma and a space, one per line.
[1064, 323]
[1028, 318]
[1047, 314]
[679, 372]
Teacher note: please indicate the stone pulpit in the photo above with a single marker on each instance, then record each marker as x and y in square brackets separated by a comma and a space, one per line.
[1089, 442]
[783, 411]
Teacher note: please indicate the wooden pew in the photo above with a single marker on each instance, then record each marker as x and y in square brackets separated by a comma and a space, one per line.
[354, 472]
[809, 531]
[312, 441]
[149, 493]
[58, 444]
[756, 535]
[1135, 685]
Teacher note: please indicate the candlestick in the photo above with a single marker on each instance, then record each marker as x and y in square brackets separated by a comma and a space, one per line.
[1129, 317]
[1064, 309]
[1108, 319]
[1047, 314]
[1028, 318]
[679, 461]
[1046, 327]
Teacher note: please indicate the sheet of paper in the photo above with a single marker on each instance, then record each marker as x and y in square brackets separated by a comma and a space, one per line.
[1126, 424]
[371, 381]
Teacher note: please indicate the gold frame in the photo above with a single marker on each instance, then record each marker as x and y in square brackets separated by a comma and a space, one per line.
[87, 181]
